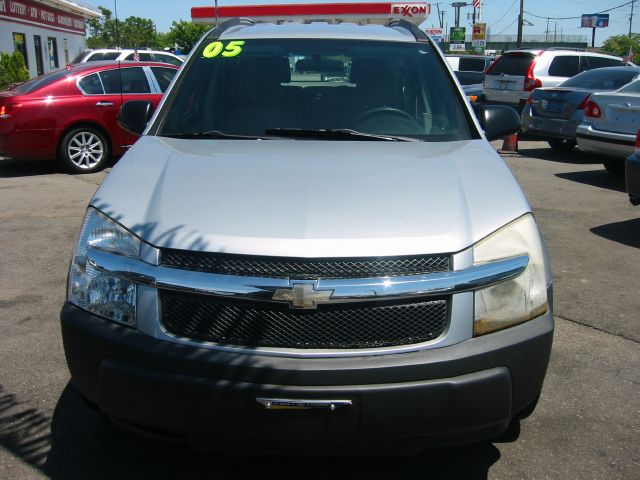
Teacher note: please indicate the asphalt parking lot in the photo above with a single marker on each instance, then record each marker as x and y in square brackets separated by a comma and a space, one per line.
[587, 424]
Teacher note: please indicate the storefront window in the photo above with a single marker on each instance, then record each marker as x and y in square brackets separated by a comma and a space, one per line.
[53, 52]
[37, 42]
[66, 52]
[20, 44]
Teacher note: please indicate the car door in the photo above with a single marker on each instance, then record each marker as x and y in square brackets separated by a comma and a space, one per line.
[136, 85]
[101, 101]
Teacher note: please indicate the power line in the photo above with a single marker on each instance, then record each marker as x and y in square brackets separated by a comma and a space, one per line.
[505, 14]
[573, 18]
[507, 27]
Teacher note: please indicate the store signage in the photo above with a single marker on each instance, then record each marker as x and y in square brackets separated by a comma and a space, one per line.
[435, 33]
[36, 13]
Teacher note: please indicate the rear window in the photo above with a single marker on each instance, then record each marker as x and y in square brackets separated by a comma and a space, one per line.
[599, 62]
[41, 81]
[601, 79]
[99, 56]
[633, 87]
[470, 78]
[512, 64]
[471, 64]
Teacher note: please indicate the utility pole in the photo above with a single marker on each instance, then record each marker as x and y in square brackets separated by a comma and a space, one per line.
[115, 8]
[473, 16]
[442, 18]
[546, 32]
[520, 22]
[631, 17]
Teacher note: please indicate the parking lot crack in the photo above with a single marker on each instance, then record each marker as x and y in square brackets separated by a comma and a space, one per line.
[596, 328]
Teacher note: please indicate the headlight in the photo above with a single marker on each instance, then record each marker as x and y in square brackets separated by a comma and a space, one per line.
[523, 297]
[99, 292]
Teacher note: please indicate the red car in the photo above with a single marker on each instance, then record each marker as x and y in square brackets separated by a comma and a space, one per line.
[71, 114]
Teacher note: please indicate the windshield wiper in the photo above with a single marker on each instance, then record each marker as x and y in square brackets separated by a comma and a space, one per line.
[213, 134]
[336, 134]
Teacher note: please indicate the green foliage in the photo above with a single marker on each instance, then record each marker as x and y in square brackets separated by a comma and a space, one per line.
[133, 32]
[185, 34]
[12, 69]
[620, 44]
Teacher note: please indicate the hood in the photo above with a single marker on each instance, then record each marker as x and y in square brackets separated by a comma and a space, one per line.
[311, 198]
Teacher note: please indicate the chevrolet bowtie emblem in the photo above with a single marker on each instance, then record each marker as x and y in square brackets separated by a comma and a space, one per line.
[302, 295]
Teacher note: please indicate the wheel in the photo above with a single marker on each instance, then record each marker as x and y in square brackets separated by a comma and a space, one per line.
[561, 145]
[84, 150]
[616, 167]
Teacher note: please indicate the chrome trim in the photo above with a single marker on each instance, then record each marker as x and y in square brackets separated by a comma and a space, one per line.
[302, 404]
[344, 290]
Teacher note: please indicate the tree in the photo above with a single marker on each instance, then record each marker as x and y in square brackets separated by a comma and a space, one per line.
[102, 30]
[619, 44]
[133, 32]
[136, 32]
[12, 69]
[185, 34]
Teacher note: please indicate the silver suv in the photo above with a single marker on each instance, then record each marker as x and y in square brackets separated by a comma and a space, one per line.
[516, 74]
[322, 259]
[127, 54]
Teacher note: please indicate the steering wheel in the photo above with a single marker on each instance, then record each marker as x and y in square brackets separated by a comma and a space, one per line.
[384, 110]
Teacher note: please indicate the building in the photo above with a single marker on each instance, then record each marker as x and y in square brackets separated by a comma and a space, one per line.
[48, 33]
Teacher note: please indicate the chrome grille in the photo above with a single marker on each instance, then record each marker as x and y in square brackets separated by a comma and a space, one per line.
[304, 268]
[202, 317]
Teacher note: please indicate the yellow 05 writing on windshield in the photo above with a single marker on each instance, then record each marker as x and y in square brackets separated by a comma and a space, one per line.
[231, 49]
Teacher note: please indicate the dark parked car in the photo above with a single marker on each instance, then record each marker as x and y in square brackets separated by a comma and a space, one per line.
[555, 112]
[70, 114]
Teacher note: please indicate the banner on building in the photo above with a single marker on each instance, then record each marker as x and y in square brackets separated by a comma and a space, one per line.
[32, 12]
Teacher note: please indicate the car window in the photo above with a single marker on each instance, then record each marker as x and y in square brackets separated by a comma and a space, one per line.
[512, 64]
[91, 85]
[601, 79]
[134, 80]
[564, 66]
[99, 56]
[41, 81]
[143, 56]
[163, 76]
[468, 64]
[111, 80]
[162, 57]
[79, 57]
[633, 87]
[599, 62]
[381, 88]
[470, 78]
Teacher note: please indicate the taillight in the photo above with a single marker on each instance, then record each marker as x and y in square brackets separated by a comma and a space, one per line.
[638, 140]
[5, 111]
[584, 103]
[592, 109]
[530, 82]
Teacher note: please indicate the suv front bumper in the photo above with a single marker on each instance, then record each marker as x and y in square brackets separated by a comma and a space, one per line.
[459, 394]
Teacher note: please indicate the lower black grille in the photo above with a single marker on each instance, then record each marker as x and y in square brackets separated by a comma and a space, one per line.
[201, 317]
[293, 267]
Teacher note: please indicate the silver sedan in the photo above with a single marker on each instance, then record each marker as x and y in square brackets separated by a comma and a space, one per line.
[554, 113]
[611, 122]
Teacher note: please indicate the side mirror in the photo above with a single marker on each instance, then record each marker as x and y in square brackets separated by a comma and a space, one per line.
[134, 115]
[497, 121]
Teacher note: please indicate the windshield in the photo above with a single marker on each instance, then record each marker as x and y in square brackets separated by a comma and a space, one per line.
[601, 79]
[258, 87]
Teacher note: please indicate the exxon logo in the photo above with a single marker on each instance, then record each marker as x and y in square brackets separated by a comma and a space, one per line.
[410, 9]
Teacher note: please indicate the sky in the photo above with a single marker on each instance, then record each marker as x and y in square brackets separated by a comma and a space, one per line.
[500, 15]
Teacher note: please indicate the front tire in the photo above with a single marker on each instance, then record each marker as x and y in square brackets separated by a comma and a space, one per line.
[615, 167]
[84, 150]
[561, 145]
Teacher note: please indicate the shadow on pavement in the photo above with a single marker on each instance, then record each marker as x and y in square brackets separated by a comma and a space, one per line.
[596, 178]
[626, 232]
[10, 168]
[83, 444]
[574, 156]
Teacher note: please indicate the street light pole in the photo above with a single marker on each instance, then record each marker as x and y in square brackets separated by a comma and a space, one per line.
[631, 17]
[520, 22]
[115, 7]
